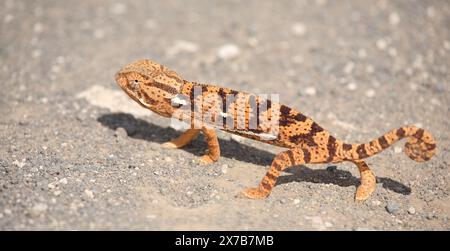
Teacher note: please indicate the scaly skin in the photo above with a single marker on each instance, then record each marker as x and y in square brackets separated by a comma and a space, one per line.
[157, 88]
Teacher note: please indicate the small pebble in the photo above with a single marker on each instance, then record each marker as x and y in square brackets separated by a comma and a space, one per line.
[63, 181]
[182, 46]
[352, 86]
[376, 203]
[252, 42]
[38, 28]
[392, 52]
[298, 29]
[348, 68]
[321, 2]
[413, 86]
[296, 201]
[311, 91]
[362, 53]
[99, 33]
[19, 164]
[8, 18]
[394, 18]
[118, 8]
[392, 207]
[447, 45]
[370, 93]
[150, 24]
[431, 12]
[151, 216]
[411, 210]
[168, 159]
[36, 53]
[430, 216]
[89, 194]
[224, 168]
[398, 149]
[51, 185]
[381, 44]
[228, 51]
[435, 101]
[38, 209]
[120, 132]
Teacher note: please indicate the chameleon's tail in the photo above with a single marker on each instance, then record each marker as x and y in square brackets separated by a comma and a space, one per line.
[421, 145]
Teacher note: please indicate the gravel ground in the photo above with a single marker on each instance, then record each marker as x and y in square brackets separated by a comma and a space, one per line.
[76, 153]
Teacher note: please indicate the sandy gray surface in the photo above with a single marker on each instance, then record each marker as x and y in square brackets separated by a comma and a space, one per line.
[76, 153]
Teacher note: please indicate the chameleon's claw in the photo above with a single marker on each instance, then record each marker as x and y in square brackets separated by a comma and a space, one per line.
[363, 192]
[206, 159]
[253, 193]
[170, 145]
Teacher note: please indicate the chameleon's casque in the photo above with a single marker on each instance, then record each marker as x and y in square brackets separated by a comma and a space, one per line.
[166, 93]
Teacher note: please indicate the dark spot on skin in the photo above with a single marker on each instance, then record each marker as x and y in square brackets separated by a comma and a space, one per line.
[431, 146]
[347, 147]
[383, 142]
[419, 134]
[284, 110]
[291, 157]
[276, 165]
[271, 176]
[361, 150]
[306, 155]
[400, 133]
[164, 87]
[300, 117]
[331, 147]
[266, 186]
[234, 92]
[149, 100]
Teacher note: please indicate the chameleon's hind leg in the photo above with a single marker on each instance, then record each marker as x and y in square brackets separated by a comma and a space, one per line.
[368, 181]
[213, 152]
[184, 139]
[295, 156]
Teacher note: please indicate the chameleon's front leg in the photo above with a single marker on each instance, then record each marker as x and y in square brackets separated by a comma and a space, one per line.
[213, 152]
[183, 139]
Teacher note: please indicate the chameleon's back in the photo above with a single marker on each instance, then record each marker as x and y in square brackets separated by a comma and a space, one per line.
[250, 116]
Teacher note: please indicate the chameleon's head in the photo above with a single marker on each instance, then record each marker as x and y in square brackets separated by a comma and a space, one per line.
[150, 84]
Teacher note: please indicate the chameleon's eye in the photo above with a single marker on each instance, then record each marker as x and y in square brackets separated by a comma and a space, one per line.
[134, 83]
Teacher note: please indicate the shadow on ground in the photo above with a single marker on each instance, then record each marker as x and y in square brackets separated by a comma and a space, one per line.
[141, 129]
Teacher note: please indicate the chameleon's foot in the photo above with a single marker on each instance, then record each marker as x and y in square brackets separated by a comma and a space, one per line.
[170, 145]
[364, 191]
[206, 159]
[182, 140]
[253, 193]
[368, 182]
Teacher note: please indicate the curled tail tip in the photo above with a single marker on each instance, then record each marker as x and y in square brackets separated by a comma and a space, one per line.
[421, 145]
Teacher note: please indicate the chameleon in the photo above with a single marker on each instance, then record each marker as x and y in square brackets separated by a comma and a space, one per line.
[166, 93]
